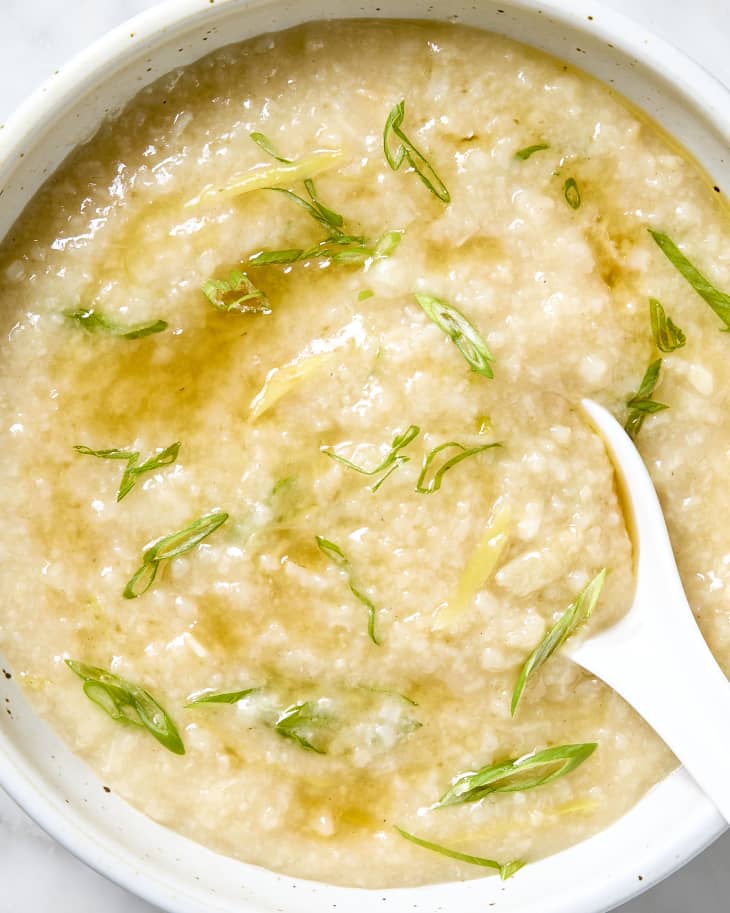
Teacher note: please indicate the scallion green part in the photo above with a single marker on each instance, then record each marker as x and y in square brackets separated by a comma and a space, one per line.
[392, 460]
[221, 697]
[462, 333]
[399, 148]
[168, 547]
[506, 870]
[335, 554]
[717, 300]
[345, 249]
[113, 453]
[667, 335]
[300, 723]
[571, 193]
[132, 470]
[387, 244]
[338, 246]
[265, 143]
[127, 703]
[332, 221]
[427, 488]
[390, 692]
[266, 257]
[236, 293]
[94, 322]
[577, 613]
[157, 461]
[641, 404]
[524, 154]
[517, 775]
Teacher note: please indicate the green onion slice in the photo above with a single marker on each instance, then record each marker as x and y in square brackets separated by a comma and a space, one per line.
[300, 723]
[389, 464]
[113, 453]
[667, 335]
[335, 554]
[527, 772]
[524, 154]
[331, 218]
[463, 334]
[347, 249]
[237, 293]
[718, 301]
[221, 697]
[132, 471]
[399, 148]
[338, 245]
[506, 870]
[463, 454]
[171, 546]
[265, 257]
[265, 143]
[94, 322]
[128, 703]
[326, 217]
[389, 692]
[571, 193]
[574, 616]
[326, 250]
[641, 403]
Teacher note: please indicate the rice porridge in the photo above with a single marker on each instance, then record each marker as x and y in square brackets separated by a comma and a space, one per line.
[300, 503]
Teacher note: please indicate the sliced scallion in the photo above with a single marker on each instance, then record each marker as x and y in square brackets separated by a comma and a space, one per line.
[94, 322]
[524, 154]
[462, 454]
[392, 460]
[126, 702]
[221, 697]
[577, 613]
[641, 404]
[572, 193]
[265, 143]
[237, 293]
[667, 335]
[168, 547]
[300, 722]
[506, 870]
[399, 148]
[526, 772]
[462, 333]
[717, 300]
[335, 554]
[132, 470]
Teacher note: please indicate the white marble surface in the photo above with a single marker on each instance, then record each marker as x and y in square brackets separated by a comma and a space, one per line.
[36, 37]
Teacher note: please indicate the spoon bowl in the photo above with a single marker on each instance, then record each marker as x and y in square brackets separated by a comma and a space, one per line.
[655, 657]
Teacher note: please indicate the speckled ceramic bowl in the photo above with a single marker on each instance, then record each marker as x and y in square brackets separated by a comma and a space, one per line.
[673, 822]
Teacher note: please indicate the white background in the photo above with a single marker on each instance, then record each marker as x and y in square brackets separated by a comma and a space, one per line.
[36, 38]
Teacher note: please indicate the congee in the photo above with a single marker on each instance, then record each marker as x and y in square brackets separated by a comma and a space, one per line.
[300, 503]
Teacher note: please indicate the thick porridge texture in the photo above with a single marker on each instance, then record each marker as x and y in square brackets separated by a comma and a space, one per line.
[300, 502]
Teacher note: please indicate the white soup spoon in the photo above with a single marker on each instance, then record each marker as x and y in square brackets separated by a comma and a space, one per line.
[655, 657]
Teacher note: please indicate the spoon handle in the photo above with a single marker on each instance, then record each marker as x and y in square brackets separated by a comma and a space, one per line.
[656, 657]
[672, 680]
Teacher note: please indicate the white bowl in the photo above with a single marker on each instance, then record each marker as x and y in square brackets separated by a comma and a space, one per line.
[674, 821]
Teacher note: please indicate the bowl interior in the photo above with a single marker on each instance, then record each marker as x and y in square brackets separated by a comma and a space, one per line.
[674, 821]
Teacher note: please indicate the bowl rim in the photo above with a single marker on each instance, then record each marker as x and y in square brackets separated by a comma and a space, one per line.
[702, 91]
